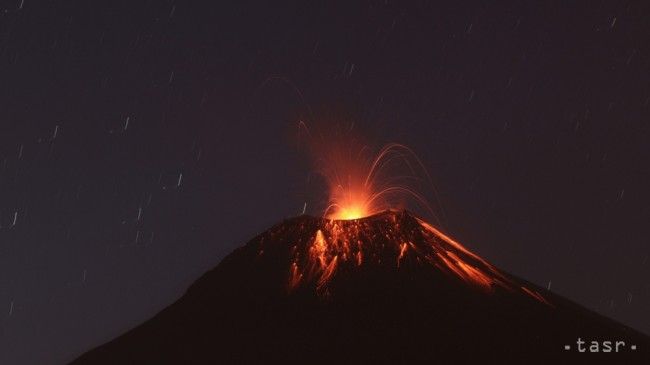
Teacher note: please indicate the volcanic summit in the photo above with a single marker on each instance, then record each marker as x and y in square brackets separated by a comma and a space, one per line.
[388, 288]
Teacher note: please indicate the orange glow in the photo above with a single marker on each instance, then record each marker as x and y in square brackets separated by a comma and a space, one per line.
[360, 186]
[349, 211]
[363, 225]
[535, 295]
[402, 251]
[343, 245]
[362, 183]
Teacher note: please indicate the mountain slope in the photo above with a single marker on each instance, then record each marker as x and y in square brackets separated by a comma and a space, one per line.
[387, 288]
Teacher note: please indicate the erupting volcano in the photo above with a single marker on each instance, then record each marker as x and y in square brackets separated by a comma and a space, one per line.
[365, 283]
[386, 288]
[387, 239]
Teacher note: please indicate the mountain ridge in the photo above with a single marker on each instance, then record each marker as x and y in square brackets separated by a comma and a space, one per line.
[304, 290]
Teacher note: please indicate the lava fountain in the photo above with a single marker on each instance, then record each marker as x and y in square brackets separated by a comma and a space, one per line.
[361, 184]
[365, 223]
[363, 187]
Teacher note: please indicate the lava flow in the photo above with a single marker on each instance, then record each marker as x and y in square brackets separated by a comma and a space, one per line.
[390, 240]
[382, 288]
[367, 282]
[363, 225]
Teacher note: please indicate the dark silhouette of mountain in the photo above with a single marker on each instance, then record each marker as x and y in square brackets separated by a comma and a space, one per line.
[388, 288]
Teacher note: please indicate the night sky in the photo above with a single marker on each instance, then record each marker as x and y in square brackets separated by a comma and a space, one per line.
[142, 141]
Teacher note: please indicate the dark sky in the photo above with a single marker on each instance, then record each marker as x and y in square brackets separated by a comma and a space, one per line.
[140, 142]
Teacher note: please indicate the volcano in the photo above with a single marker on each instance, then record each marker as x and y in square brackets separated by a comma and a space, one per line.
[389, 288]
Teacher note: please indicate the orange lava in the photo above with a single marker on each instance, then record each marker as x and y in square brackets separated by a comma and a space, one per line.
[361, 184]
[344, 245]
[356, 232]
